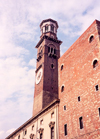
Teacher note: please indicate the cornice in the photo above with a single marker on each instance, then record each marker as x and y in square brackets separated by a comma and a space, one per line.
[48, 38]
[33, 118]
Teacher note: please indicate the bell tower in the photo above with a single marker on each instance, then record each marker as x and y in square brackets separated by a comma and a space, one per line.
[48, 53]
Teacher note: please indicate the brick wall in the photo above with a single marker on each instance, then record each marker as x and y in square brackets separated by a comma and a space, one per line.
[79, 79]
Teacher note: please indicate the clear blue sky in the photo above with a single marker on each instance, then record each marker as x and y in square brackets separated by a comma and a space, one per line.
[19, 34]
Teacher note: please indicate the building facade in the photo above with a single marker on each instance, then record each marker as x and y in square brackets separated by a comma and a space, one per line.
[79, 93]
[66, 95]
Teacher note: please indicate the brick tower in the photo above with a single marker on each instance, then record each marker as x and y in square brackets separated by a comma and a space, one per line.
[48, 52]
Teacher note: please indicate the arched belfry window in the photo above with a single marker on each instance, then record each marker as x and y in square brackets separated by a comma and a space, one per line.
[52, 51]
[95, 63]
[52, 28]
[46, 28]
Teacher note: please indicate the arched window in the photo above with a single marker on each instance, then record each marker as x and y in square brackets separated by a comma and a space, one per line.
[52, 66]
[52, 52]
[95, 63]
[62, 67]
[91, 38]
[52, 28]
[62, 88]
[46, 28]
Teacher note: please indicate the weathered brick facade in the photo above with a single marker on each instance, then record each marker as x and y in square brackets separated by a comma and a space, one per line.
[79, 79]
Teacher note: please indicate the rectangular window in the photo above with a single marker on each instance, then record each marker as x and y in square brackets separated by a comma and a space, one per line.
[99, 112]
[96, 87]
[52, 133]
[79, 98]
[65, 108]
[65, 129]
[81, 122]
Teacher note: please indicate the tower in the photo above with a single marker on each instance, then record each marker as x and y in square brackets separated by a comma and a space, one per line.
[48, 53]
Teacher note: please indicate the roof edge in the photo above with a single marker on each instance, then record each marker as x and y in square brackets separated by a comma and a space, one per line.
[34, 117]
[46, 20]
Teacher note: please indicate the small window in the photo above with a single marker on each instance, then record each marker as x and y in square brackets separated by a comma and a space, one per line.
[62, 88]
[25, 132]
[52, 115]
[52, 28]
[40, 50]
[65, 108]
[99, 112]
[41, 122]
[91, 38]
[95, 63]
[81, 122]
[33, 127]
[19, 137]
[52, 66]
[62, 67]
[46, 28]
[65, 129]
[52, 132]
[97, 88]
[79, 98]
[54, 51]
[48, 49]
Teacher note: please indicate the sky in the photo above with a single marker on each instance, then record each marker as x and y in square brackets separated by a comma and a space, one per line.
[19, 34]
